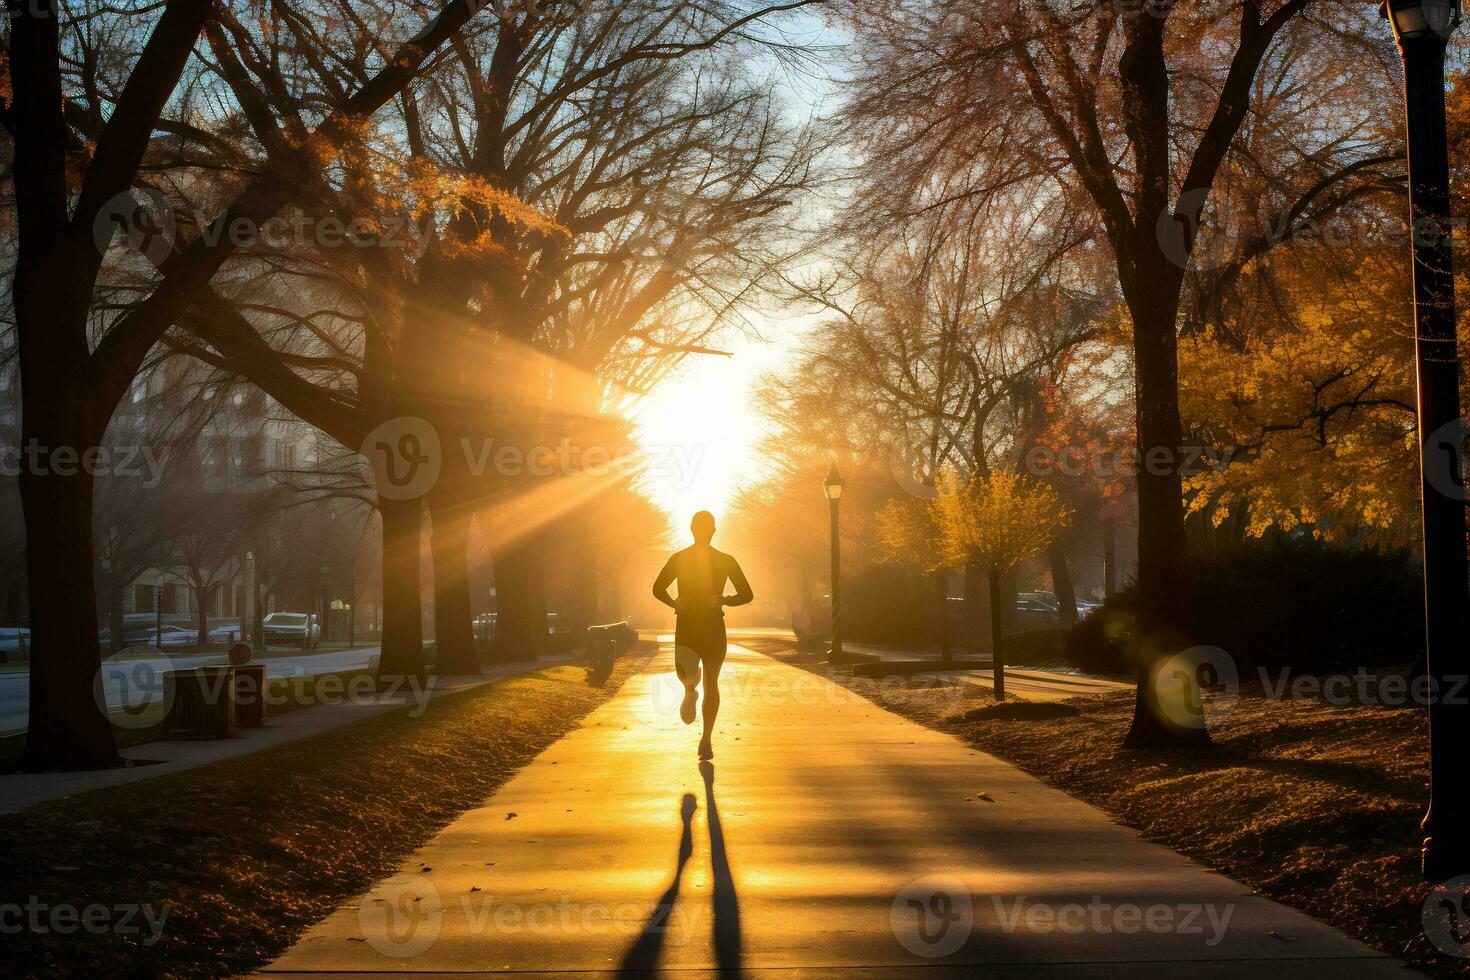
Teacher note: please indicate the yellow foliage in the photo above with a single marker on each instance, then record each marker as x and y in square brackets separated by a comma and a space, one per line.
[1315, 414]
[995, 522]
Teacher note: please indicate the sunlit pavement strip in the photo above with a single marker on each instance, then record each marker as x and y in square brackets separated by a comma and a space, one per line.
[1033, 685]
[850, 846]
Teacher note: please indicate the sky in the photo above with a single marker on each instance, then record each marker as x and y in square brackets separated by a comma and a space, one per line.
[702, 427]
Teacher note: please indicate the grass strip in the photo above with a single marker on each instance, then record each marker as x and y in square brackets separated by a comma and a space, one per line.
[239, 858]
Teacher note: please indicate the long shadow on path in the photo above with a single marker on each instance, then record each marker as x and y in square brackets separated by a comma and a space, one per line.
[642, 958]
[727, 905]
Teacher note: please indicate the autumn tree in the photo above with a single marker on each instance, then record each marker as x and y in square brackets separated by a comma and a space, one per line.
[995, 522]
[80, 128]
[1133, 109]
[590, 192]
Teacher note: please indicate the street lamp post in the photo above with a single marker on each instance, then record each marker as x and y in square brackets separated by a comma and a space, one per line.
[257, 634]
[832, 487]
[326, 608]
[245, 606]
[1422, 29]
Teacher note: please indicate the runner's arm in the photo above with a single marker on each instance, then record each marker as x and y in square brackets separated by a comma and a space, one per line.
[662, 583]
[742, 595]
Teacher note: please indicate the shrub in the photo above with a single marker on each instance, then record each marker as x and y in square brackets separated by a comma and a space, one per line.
[1292, 603]
[890, 605]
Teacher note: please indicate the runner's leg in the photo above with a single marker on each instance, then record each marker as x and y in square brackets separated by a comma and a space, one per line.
[712, 660]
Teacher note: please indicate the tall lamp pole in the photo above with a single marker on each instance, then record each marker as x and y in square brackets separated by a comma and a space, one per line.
[1422, 29]
[832, 487]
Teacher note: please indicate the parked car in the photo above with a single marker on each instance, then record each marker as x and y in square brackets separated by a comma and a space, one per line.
[1086, 607]
[1044, 609]
[226, 634]
[15, 643]
[291, 628]
[483, 626]
[171, 636]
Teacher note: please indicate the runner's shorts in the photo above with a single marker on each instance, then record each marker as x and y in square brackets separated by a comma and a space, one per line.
[705, 637]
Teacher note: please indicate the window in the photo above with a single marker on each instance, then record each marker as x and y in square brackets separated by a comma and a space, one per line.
[142, 598]
[168, 600]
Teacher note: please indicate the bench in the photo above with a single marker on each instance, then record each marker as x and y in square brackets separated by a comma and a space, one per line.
[611, 639]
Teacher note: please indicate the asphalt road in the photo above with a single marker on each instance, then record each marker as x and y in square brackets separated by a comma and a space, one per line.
[137, 682]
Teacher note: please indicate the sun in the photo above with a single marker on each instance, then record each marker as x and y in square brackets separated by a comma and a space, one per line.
[700, 434]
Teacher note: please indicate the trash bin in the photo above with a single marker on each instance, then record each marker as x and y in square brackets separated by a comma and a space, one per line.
[250, 695]
[201, 700]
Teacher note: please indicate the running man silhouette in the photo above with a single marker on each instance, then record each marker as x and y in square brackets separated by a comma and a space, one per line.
[699, 636]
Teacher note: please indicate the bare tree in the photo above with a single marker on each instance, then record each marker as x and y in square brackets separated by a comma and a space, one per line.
[1132, 109]
[77, 152]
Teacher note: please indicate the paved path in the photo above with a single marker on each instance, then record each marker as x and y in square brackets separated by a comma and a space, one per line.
[350, 704]
[1035, 685]
[1026, 682]
[829, 838]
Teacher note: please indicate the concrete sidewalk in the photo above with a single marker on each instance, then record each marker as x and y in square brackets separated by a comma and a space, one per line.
[1031, 683]
[829, 836]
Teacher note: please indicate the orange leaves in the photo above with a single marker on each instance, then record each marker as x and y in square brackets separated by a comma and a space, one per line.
[458, 193]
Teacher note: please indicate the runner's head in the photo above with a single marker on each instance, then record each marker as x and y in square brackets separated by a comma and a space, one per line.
[703, 527]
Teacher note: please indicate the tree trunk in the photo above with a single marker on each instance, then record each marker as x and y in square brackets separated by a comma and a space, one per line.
[519, 633]
[68, 727]
[1163, 570]
[115, 616]
[584, 575]
[1061, 583]
[997, 637]
[454, 635]
[202, 597]
[536, 599]
[977, 605]
[401, 653]
[1110, 558]
[941, 589]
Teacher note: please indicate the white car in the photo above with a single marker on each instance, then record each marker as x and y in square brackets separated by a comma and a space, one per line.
[172, 636]
[291, 628]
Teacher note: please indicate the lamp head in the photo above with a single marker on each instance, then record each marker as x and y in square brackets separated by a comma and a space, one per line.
[832, 486]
